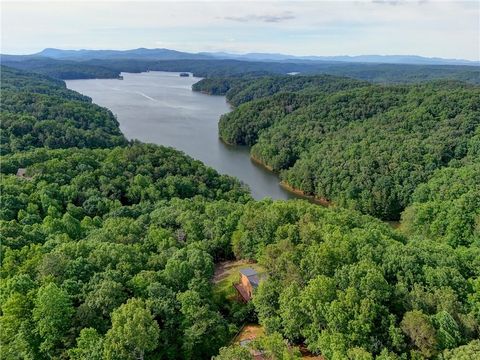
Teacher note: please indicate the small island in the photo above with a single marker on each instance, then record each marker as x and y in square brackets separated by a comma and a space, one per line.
[184, 74]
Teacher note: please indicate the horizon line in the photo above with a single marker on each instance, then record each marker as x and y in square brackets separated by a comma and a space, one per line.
[243, 53]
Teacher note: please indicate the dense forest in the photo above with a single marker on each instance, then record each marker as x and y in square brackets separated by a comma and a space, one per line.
[243, 89]
[109, 248]
[100, 240]
[39, 111]
[111, 68]
[447, 208]
[59, 69]
[361, 146]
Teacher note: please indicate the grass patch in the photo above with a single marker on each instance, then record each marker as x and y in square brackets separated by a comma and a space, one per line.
[249, 332]
[227, 273]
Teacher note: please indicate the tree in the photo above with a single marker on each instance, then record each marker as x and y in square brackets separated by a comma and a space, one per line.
[276, 348]
[89, 346]
[419, 329]
[204, 330]
[469, 351]
[272, 347]
[134, 332]
[234, 352]
[17, 338]
[52, 313]
[104, 297]
[266, 305]
[293, 317]
[357, 353]
[449, 335]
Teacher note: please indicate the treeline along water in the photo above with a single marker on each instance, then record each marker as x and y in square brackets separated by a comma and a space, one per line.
[161, 108]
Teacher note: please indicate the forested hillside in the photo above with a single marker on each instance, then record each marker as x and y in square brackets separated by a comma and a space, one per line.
[243, 89]
[38, 111]
[350, 287]
[59, 69]
[100, 240]
[111, 68]
[447, 208]
[109, 253]
[361, 146]
[103, 242]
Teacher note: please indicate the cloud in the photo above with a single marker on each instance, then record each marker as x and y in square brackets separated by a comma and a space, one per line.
[424, 27]
[388, 2]
[399, 2]
[262, 18]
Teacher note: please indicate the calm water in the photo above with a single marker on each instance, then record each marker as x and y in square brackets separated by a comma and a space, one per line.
[161, 108]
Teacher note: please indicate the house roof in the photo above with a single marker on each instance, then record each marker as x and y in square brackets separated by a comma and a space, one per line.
[242, 291]
[248, 272]
[254, 280]
[252, 276]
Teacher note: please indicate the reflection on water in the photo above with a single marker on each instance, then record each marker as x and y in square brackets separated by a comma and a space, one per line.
[161, 108]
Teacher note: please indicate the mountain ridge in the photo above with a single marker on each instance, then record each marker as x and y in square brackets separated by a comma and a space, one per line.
[169, 54]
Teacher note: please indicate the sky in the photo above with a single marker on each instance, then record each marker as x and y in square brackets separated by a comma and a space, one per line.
[448, 29]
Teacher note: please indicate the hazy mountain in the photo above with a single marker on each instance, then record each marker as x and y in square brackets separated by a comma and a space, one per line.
[384, 59]
[167, 54]
[141, 53]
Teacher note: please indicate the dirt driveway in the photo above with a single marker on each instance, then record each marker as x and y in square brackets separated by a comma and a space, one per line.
[223, 269]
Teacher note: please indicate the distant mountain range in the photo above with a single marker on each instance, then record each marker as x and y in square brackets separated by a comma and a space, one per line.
[382, 59]
[140, 53]
[167, 54]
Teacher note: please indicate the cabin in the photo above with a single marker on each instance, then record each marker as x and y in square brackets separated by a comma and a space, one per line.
[22, 173]
[249, 280]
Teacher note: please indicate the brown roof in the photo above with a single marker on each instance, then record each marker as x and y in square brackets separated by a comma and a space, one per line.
[242, 291]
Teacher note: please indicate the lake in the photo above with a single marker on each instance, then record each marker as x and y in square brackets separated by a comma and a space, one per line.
[161, 108]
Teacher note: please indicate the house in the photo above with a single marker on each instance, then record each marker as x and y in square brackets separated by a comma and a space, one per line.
[22, 173]
[249, 280]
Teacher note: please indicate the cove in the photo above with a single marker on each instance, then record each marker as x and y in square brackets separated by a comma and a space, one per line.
[161, 108]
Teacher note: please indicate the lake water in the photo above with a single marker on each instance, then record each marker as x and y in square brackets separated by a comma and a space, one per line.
[161, 108]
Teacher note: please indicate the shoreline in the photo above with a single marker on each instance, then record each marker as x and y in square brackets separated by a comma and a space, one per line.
[262, 164]
[312, 198]
[226, 142]
[286, 186]
[395, 224]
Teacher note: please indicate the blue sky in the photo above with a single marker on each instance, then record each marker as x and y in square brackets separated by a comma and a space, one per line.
[448, 29]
